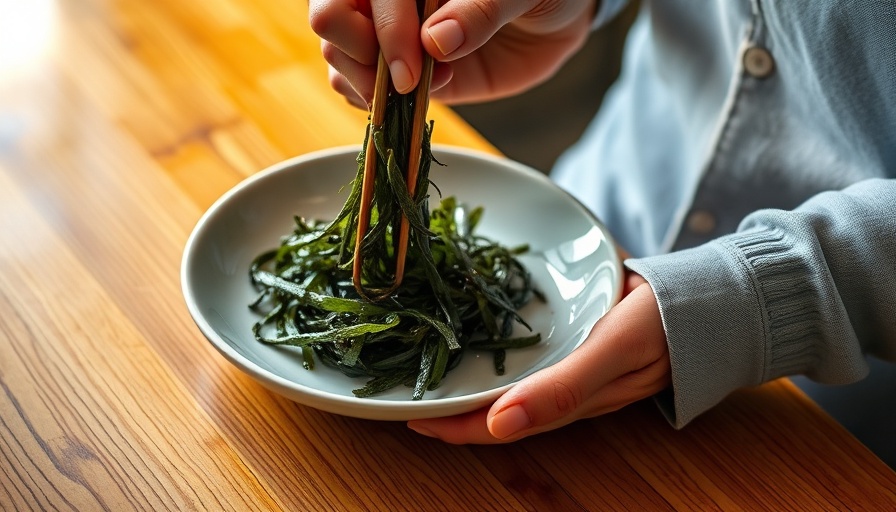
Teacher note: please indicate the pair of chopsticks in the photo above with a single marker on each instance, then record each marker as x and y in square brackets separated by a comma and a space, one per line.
[377, 118]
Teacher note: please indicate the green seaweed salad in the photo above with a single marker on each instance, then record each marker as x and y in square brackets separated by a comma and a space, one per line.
[460, 291]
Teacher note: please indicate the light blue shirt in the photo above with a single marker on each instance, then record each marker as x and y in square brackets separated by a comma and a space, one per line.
[747, 158]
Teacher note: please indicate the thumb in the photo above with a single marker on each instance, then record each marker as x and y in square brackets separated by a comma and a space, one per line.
[460, 27]
[588, 382]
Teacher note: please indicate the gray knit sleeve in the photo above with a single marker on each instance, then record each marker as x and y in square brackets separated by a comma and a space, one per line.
[808, 291]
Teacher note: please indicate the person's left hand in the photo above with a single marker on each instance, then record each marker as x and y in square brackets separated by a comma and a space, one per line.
[623, 360]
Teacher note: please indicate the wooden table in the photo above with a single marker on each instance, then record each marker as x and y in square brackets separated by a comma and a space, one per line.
[120, 123]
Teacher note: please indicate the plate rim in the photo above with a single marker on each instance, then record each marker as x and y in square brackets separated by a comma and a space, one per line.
[327, 401]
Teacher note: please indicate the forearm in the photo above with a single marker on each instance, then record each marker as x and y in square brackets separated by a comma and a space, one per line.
[792, 292]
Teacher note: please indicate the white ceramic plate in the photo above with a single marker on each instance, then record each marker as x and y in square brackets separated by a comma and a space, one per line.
[572, 259]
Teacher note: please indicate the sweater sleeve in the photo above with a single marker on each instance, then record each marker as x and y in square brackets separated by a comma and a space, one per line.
[808, 291]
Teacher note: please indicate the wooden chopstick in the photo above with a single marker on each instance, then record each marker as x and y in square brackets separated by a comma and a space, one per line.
[421, 106]
[378, 109]
[377, 117]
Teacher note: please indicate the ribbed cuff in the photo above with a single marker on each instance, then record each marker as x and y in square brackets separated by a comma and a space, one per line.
[736, 314]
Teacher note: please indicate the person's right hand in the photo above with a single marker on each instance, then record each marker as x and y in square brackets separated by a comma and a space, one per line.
[484, 49]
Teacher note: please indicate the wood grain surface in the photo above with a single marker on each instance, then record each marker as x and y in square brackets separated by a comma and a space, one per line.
[121, 121]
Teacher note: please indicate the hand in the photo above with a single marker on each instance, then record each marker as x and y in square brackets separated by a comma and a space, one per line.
[485, 49]
[623, 360]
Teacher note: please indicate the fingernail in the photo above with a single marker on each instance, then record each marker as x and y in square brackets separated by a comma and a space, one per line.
[448, 35]
[509, 421]
[422, 431]
[401, 76]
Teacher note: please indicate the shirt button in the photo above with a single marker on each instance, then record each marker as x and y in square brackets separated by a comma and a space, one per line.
[758, 62]
[701, 222]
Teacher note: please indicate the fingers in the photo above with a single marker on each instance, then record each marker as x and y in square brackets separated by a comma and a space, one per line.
[502, 48]
[478, 428]
[539, 35]
[467, 428]
[442, 73]
[624, 360]
[622, 391]
[398, 32]
[341, 84]
[353, 33]
[348, 44]
[627, 340]
[458, 28]
[345, 26]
